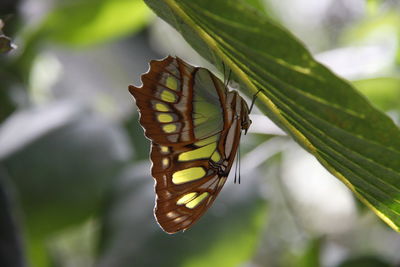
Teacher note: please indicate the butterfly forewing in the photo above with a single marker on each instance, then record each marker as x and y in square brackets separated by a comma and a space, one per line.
[194, 124]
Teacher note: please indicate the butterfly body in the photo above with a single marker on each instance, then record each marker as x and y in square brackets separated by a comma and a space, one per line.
[195, 125]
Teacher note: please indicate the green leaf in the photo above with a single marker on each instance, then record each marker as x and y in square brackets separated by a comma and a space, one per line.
[257, 4]
[382, 92]
[322, 112]
[87, 22]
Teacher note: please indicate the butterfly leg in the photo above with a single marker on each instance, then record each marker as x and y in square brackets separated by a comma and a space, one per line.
[220, 169]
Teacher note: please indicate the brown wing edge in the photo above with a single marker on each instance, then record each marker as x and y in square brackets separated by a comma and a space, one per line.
[149, 93]
[157, 66]
[144, 97]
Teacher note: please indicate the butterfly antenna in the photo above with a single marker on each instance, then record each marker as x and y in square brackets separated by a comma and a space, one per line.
[254, 100]
[236, 168]
[234, 180]
[239, 164]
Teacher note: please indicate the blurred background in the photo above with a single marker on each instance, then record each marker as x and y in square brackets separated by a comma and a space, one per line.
[75, 183]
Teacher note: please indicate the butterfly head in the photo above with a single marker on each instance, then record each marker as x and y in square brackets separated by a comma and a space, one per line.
[246, 122]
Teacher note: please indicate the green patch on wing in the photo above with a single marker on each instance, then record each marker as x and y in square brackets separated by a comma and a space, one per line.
[199, 153]
[207, 119]
[188, 175]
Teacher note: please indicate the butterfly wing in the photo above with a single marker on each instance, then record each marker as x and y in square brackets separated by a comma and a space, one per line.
[194, 124]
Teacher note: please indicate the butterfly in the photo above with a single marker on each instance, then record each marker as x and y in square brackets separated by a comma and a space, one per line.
[194, 123]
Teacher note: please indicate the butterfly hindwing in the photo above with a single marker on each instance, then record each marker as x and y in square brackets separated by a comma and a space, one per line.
[184, 191]
[194, 124]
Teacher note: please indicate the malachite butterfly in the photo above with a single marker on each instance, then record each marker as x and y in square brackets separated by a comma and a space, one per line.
[194, 123]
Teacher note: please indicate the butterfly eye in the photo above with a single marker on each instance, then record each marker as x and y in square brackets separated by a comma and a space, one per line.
[194, 124]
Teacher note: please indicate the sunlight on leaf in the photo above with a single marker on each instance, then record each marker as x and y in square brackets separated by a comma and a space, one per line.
[84, 23]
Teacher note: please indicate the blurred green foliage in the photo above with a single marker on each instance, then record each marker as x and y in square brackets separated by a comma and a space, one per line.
[383, 92]
[75, 184]
[365, 261]
[85, 23]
